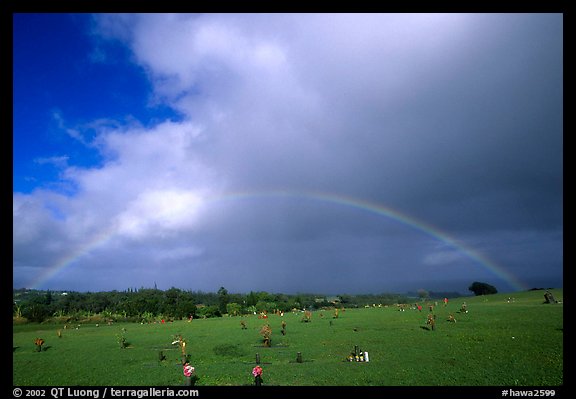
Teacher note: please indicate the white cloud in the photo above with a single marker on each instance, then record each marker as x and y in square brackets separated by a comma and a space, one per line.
[159, 212]
[140, 160]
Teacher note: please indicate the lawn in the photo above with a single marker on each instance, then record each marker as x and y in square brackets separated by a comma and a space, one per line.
[497, 343]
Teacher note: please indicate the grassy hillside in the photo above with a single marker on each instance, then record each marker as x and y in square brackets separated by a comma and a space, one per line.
[498, 342]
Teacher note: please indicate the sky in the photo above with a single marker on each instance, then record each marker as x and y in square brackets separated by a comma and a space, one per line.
[326, 153]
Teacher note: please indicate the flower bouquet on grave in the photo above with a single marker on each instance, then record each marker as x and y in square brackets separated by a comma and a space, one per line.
[358, 355]
[39, 342]
[257, 373]
[266, 332]
[190, 374]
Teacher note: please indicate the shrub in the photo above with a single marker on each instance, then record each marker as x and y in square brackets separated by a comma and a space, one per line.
[210, 311]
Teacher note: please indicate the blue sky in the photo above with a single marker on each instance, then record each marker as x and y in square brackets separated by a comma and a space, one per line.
[64, 73]
[335, 153]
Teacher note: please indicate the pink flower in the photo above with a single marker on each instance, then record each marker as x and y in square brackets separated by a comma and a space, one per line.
[257, 371]
[188, 370]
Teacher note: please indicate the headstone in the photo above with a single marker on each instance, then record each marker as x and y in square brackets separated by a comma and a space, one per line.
[549, 297]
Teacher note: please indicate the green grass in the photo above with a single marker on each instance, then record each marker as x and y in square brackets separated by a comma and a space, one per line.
[495, 344]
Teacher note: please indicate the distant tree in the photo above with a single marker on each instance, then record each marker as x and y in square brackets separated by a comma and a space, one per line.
[251, 299]
[423, 294]
[210, 311]
[479, 288]
[17, 311]
[185, 308]
[37, 312]
[233, 308]
[262, 306]
[295, 302]
[223, 299]
[169, 305]
[48, 299]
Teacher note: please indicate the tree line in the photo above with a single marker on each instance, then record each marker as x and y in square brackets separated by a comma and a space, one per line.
[152, 304]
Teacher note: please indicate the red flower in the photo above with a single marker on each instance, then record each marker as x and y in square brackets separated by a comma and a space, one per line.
[257, 371]
[188, 370]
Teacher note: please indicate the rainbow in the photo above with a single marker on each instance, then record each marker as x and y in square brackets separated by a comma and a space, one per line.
[68, 259]
[365, 206]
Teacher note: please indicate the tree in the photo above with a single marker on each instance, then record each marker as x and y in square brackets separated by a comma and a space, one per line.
[223, 299]
[251, 299]
[233, 308]
[209, 311]
[262, 306]
[479, 288]
[423, 294]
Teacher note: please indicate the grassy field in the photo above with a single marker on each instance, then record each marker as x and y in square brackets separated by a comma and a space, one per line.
[497, 343]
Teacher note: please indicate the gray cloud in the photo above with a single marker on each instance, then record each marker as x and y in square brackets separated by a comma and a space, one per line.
[454, 120]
